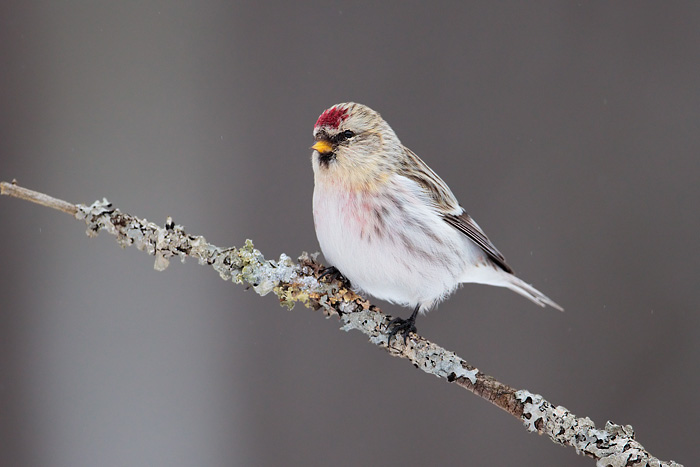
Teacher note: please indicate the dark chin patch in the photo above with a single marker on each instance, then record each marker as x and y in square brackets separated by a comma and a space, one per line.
[324, 160]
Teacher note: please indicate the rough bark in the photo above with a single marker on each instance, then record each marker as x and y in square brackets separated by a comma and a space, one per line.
[298, 281]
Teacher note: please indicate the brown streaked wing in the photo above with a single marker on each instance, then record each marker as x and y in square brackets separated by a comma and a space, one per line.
[465, 224]
[448, 206]
[438, 191]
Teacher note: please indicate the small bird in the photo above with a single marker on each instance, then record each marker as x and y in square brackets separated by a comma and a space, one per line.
[390, 225]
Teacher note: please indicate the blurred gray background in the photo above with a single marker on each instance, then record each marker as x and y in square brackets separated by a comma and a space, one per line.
[569, 130]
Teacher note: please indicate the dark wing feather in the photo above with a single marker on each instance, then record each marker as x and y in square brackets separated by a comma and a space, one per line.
[465, 224]
[436, 189]
[445, 202]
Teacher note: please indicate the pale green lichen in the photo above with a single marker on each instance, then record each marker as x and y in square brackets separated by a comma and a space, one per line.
[241, 265]
[263, 275]
[425, 355]
[613, 447]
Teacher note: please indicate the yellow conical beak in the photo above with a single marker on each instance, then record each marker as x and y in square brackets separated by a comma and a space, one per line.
[322, 146]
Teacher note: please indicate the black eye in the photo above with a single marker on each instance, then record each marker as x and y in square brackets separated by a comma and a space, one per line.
[347, 134]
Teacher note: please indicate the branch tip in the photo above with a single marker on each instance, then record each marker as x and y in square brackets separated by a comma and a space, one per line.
[15, 191]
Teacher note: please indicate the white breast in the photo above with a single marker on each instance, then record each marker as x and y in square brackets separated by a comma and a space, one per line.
[391, 243]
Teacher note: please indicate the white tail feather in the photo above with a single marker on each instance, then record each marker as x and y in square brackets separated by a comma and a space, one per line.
[493, 275]
[528, 291]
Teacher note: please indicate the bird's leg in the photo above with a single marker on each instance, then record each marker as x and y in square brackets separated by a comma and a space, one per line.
[403, 326]
[333, 273]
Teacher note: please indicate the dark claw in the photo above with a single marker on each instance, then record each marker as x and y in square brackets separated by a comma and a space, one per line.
[403, 326]
[334, 274]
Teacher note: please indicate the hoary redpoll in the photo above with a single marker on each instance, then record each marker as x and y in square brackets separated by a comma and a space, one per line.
[390, 225]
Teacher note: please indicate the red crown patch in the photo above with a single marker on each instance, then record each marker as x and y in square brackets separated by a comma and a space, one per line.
[332, 117]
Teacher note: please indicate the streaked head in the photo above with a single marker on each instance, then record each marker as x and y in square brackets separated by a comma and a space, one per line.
[353, 138]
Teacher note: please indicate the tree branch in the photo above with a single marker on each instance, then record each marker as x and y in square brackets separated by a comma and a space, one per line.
[298, 282]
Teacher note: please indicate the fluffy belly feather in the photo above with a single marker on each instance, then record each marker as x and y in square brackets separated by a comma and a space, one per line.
[408, 256]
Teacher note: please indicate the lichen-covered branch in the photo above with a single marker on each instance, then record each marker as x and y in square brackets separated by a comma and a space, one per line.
[299, 281]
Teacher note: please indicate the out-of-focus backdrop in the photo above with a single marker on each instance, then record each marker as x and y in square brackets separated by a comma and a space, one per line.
[569, 130]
